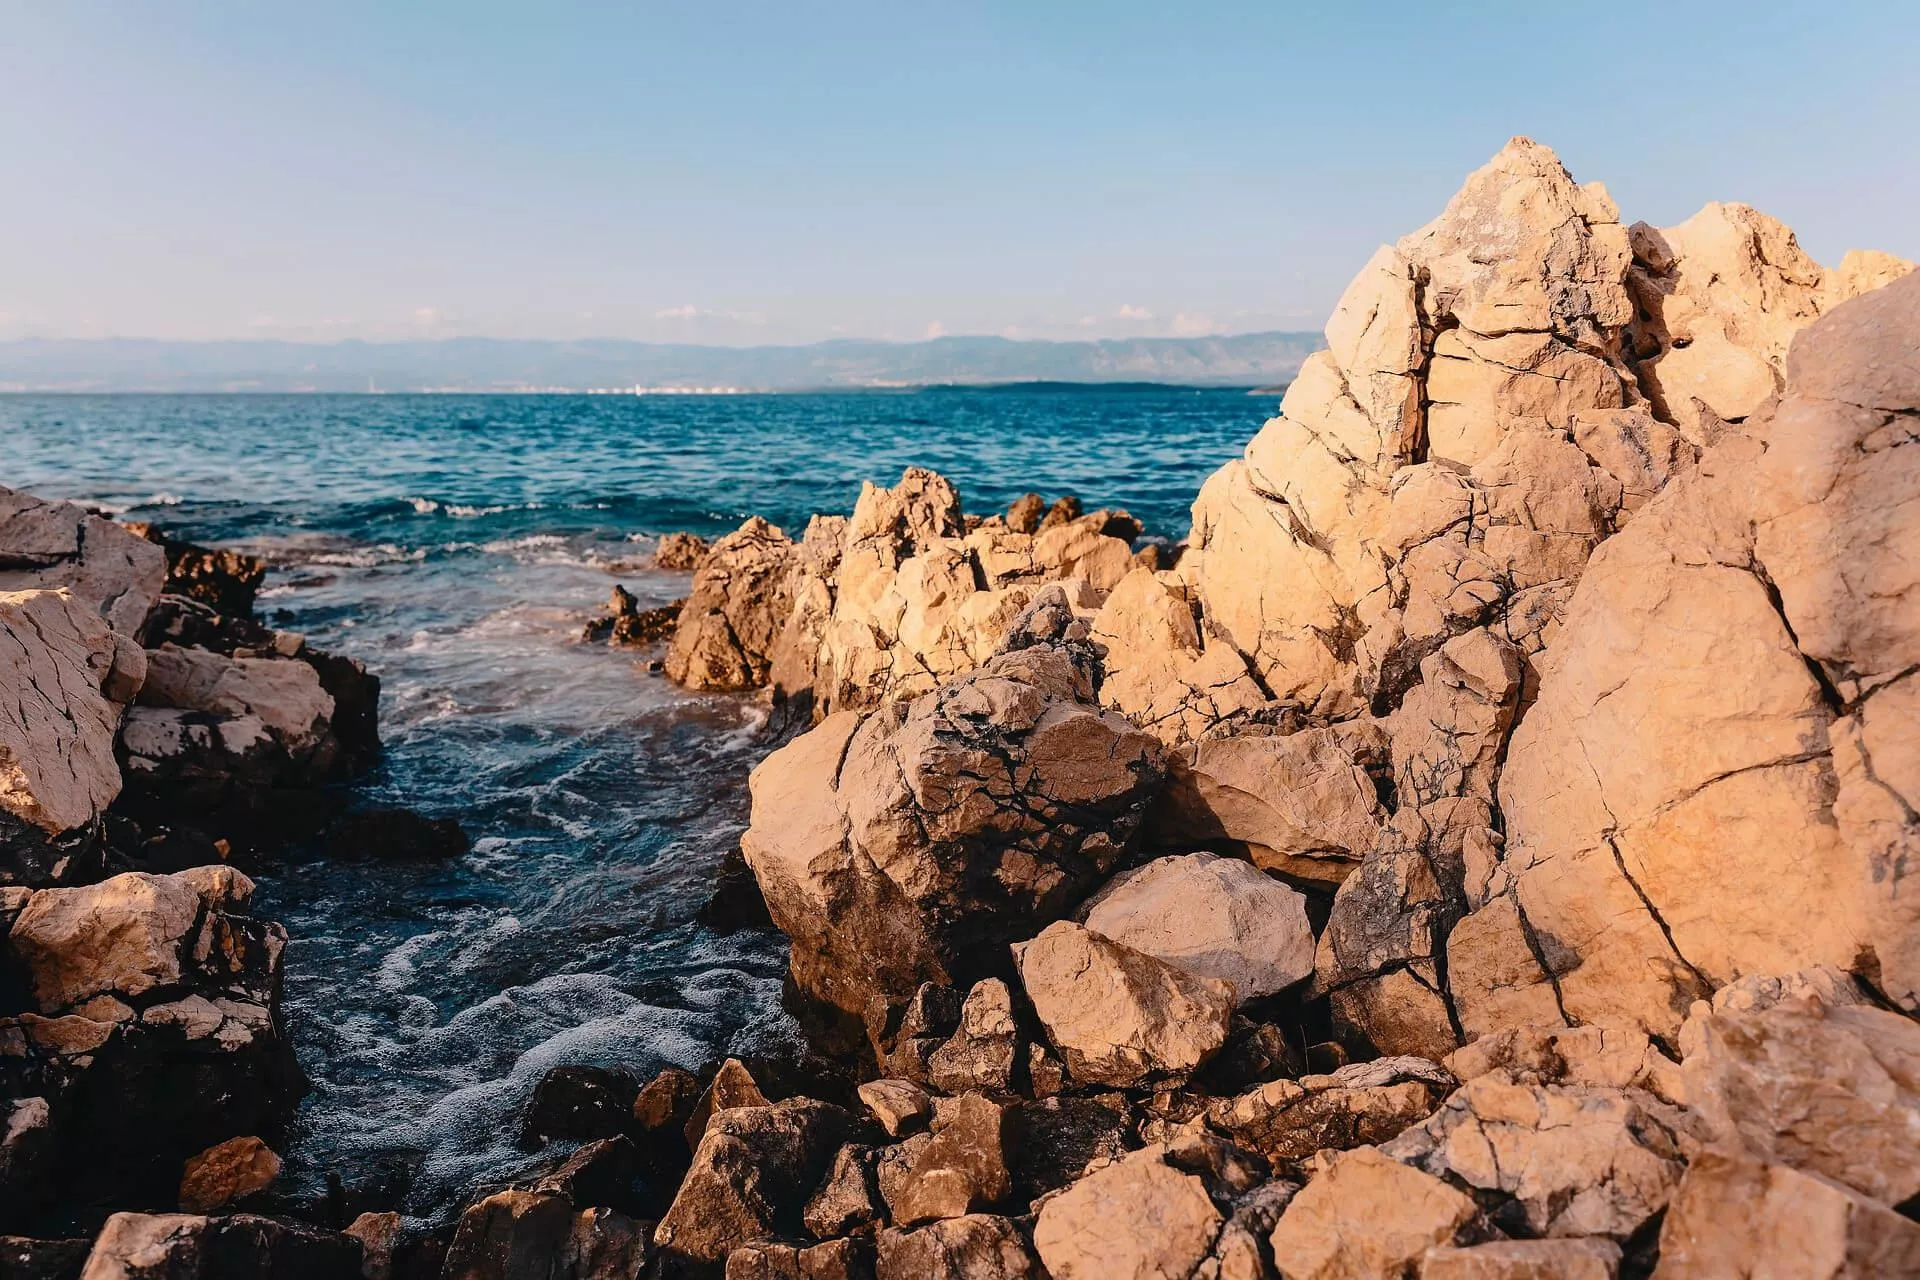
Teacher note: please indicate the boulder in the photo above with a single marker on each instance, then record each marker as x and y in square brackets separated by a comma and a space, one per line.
[66, 679]
[963, 1169]
[381, 1237]
[107, 568]
[578, 1103]
[1576, 1160]
[225, 1174]
[1137, 1219]
[1524, 1260]
[1736, 1216]
[732, 1086]
[1703, 746]
[1362, 1104]
[724, 638]
[1212, 917]
[1305, 804]
[1367, 1217]
[899, 1106]
[848, 1200]
[912, 845]
[510, 1235]
[605, 1245]
[751, 1178]
[982, 1053]
[834, 1260]
[976, 1247]
[1832, 1091]
[178, 1246]
[1161, 670]
[1117, 1015]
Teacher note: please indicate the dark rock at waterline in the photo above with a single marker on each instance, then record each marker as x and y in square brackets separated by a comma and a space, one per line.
[626, 623]
[225, 580]
[736, 901]
[22, 1258]
[579, 1104]
[602, 1172]
[30, 857]
[396, 835]
[509, 1235]
[143, 1246]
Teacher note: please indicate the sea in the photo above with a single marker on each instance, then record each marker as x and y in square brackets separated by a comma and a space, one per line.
[457, 544]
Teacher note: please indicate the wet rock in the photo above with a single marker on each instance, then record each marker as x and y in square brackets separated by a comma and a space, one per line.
[732, 1086]
[1828, 1091]
[1055, 1140]
[578, 1103]
[1212, 917]
[223, 1175]
[225, 581]
[900, 1106]
[381, 1236]
[626, 623]
[1358, 1105]
[1524, 1260]
[848, 1200]
[1576, 1160]
[396, 835]
[66, 679]
[726, 633]
[751, 1177]
[1138, 1219]
[680, 552]
[963, 1169]
[175, 1246]
[596, 1173]
[976, 1247]
[1120, 1016]
[1735, 1216]
[982, 1052]
[736, 902]
[22, 1258]
[910, 846]
[111, 571]
[510, 1235]
[1366, 1217]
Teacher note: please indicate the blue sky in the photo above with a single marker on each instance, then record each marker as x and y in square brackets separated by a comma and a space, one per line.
[782, 172]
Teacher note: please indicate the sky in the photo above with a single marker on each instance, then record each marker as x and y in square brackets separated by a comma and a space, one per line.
[745, 173]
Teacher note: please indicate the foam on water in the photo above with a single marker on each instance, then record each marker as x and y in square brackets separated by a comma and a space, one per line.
[457, 544]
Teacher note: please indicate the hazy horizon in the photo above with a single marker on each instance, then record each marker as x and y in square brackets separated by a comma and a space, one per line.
[757, 174]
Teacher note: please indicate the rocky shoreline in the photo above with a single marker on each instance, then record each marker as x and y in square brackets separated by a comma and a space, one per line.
[1482, 849]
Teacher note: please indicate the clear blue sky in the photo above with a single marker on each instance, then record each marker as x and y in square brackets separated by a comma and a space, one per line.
[779, 172]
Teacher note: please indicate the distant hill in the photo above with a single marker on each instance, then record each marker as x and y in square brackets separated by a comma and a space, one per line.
[493, 364]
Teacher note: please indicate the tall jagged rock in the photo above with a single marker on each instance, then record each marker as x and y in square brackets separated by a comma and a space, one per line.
[1719, 776]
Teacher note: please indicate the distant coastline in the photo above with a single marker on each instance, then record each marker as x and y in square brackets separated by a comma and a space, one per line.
[618, 367]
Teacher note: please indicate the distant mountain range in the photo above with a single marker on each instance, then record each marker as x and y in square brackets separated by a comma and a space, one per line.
[494, 364]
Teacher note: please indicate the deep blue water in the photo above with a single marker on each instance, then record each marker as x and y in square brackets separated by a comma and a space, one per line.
[456, 544]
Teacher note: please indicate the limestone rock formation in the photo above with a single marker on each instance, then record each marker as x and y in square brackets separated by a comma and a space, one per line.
[680, 552]
[1362, 1104]
[725, 635]
[1572, 1259]
[1212, 917]
[914, 844]
[66, 679]
[1704, 745]
[1120, 1016]
[107, 568]
[1736, 1216]
[977, 1247]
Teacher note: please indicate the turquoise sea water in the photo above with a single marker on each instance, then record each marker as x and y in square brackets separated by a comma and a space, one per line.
[457, 544]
